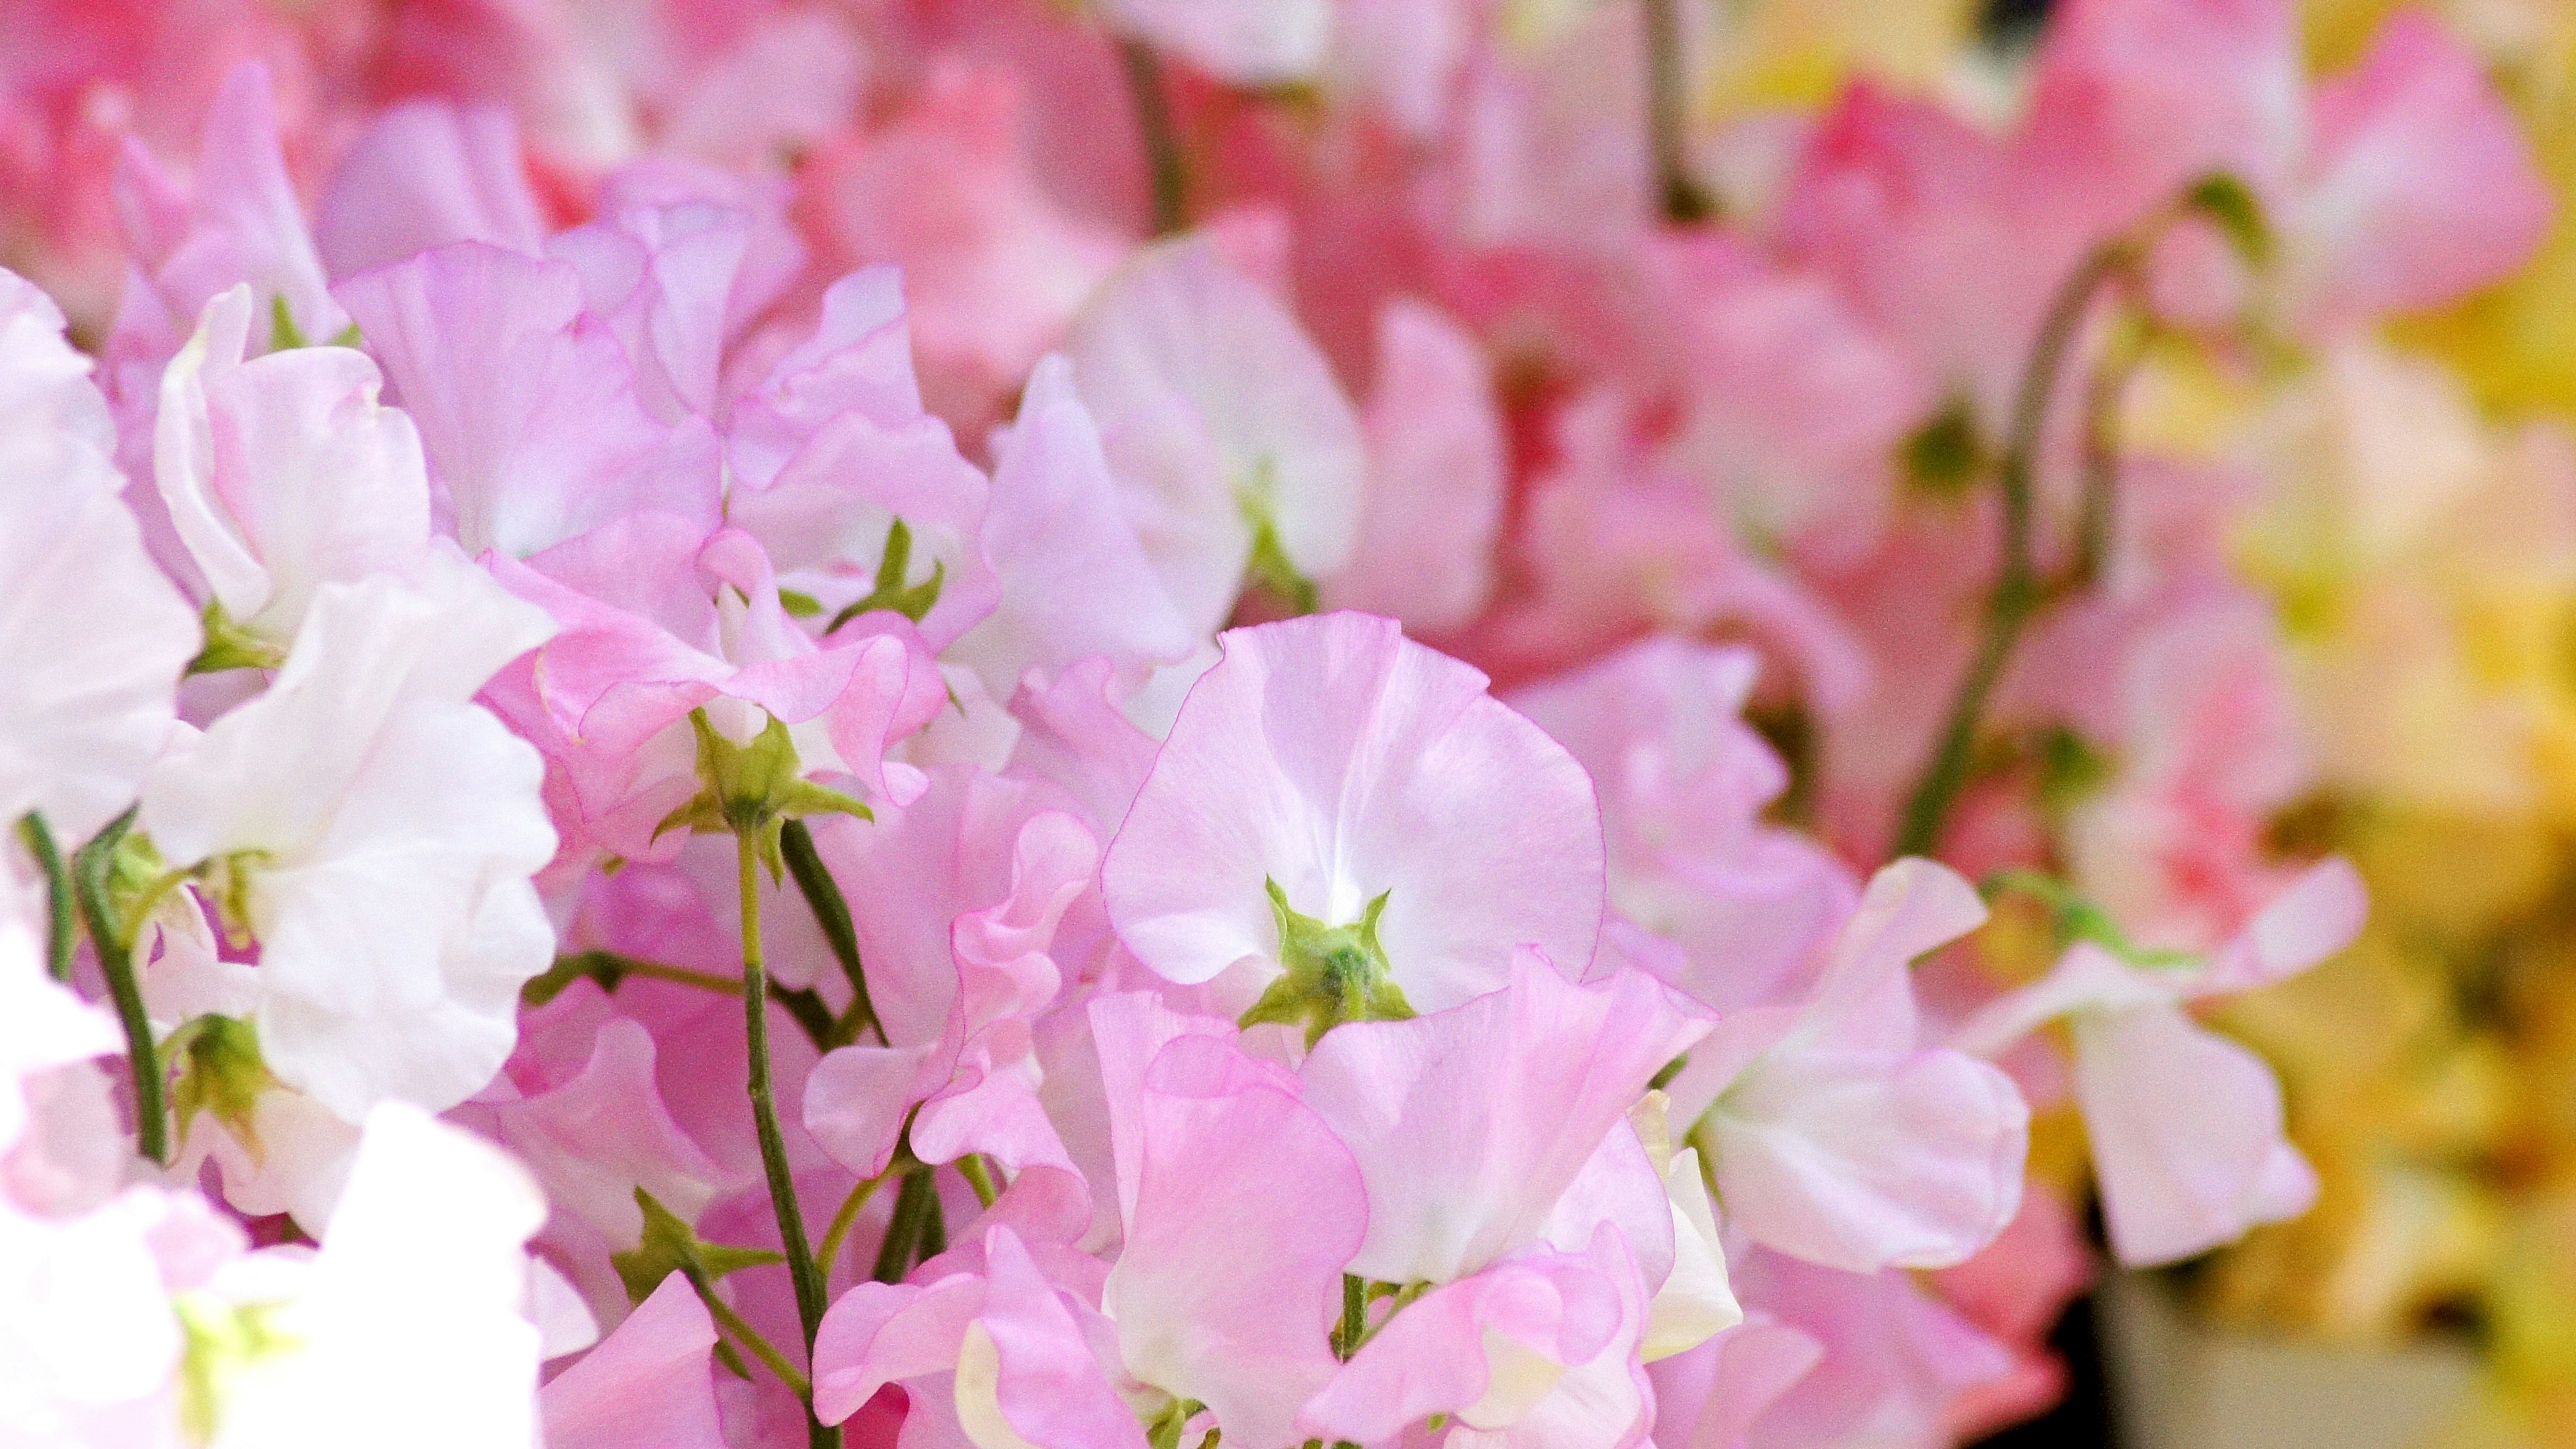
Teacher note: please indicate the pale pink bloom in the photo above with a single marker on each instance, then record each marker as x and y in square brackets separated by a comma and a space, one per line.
[1684, 783]
[93, 637]
[45, 383]
[973, 885]
[1240, 1208]
[673, 280]
[378, 832]
[1896, 1362]
[1617, 542]
[1798, 410]
[237, 221]
[1250, 42]
[1712, 1396]
[1075, 578]
[1338, 761]
[1538, 1351]
[2419, 186]
[1433, 511]
[527, 407]
[649, 1383]
[658, 620]
[1470, 1123]
[1219, 417]
[1074, 735]
[1003, 1348]
[2185, 1125]
[1834, 1134]
[418, 1296]
[994, 266]
[283, 473]
[424, 174]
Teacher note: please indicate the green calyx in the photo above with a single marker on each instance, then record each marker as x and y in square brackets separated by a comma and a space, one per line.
[753, 790]
[671, 1246]
[913, 601]
[283, 334]
[222, 1074]
[230, 646]
[1335, 973]
[2078, 919]
[222, 1339]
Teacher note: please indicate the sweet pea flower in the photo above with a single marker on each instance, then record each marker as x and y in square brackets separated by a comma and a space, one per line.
[1331, 778]
[283, 473]
[1240, 1208]
[658, 621]
[1237, 450]
[528, 409]
[651, 1381]
[2186, 1126]
[1683, 783]
[364, 789]
[997, 1352]
[92, 636]
[1470, 1123]
[1834, 1134]
[427, 173]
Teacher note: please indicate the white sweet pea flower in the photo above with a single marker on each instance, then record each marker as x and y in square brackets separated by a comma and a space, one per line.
[282, 473]
[375, 831]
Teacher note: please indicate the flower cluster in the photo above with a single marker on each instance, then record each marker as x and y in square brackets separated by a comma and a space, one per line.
[1252, 722]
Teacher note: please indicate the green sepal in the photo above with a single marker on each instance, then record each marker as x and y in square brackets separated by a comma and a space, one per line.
[1269, 566]
[2079, 919]
[751, 789]
[221, 1073]
[230, 646]
[2227, 203]
[1334, 973]
[672, 1246]
[283, 334]
[913, 601]
[799, 604]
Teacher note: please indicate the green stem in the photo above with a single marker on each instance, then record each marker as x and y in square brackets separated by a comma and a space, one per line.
[2017, 594]
[978, 1177]
[116, 962]
[832, 914]
[595, 963]
[1154, 129]
[59, 926]
[828, 1251]
[764, 1116]
[1354, 1327]
[748, 1336]
[2097, 514]
[1683, 199]
[911, 1214]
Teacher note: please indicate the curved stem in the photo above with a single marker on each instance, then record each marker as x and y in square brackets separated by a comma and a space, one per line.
[2017, 594]
[1683, 199]
[912, 1206]
[764, 1116]
[2097, 514]
[979, 1177]
[828, 1251]
[749, 1337]
[116, 962]
[1154, 129]
[59, 927]
[832, 914]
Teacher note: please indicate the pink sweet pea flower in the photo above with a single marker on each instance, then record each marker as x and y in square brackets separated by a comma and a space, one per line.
[1683, 784]
[1538, 1351]
[1835, 1135]
[1896, 1365]
[1005, 1350]
[658, 620]
[527, 407]
[1241, 1208]
[1470, 1123]
[650, 1382]
[427, 173]
[238, 222]
[1437, 458]
[2186, 1125]
[1334, 761]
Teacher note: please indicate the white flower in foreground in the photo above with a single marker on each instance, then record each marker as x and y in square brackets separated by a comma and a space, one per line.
[375, 831]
